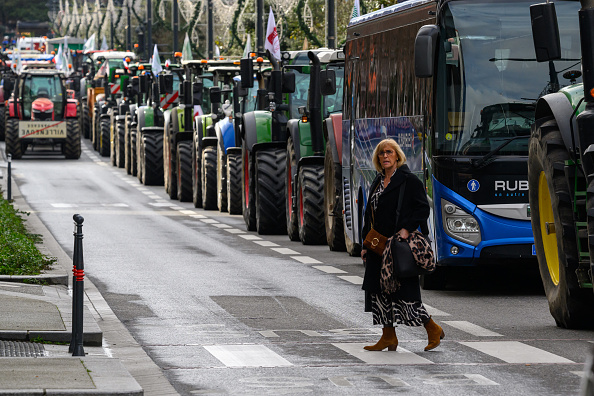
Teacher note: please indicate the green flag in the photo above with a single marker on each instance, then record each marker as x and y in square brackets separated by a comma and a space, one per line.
[187, 49]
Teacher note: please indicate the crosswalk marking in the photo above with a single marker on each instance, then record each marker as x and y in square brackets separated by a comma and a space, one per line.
[356, 280]
[515, 352]
[434, 311]
[400, 356]
[471, 328]
[306, 259]
[247, 356]
[329, 269]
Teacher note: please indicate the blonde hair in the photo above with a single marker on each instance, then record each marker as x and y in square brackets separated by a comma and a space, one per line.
[400, 157]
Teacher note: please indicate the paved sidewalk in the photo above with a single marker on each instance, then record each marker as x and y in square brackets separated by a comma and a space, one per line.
[36, 328]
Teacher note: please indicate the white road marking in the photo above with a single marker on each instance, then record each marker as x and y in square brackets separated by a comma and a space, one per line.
[117, 205]
[329, 269]
[434, 311]
[142, 188]
[306, 259]
[130, 181]
[578, 373]
[400, 356]
[222, 225]
[285, 251]
[146, 192]
[471, 328]
[209, 221]
[64, 205]
[247, 356]
[154, 196]
[159, 204]
[515, 352]
[250, 237]
[356, 280]
[198, 216]
[175, 207]
[234, 231]
[266, 243]
[188, 212]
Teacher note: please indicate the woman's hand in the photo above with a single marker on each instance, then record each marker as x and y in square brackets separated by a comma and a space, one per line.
[403, 233]
[364, 255]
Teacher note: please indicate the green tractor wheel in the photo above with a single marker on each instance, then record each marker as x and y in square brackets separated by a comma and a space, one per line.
[553, 228]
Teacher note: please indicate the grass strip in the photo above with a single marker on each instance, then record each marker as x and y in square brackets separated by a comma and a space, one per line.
[18, 253]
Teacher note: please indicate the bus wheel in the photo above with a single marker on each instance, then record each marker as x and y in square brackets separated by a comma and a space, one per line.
[184, 171]
[209, 178]
[248, 198]
[234, 183]
[290, 204]
[553, 228]
[333, 203]
[270, 191]
[13, 143]
[310, 206]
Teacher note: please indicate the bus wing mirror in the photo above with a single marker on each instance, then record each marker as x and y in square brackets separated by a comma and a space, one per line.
[288, 82]
[247, 73]
[328, 82]
[425, 45]
[545, 32]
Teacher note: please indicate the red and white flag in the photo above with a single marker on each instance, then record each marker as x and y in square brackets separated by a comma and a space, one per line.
[272, 43]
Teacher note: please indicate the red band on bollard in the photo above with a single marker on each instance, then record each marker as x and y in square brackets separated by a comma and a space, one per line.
[79, 275]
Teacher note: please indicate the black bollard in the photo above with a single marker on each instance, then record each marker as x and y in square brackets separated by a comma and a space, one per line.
[9, 180]
[78, 289]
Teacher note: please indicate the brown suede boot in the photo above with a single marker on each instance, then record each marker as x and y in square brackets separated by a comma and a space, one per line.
[434, 333]
[388, 340]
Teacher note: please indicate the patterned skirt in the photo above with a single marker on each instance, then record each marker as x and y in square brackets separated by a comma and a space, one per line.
[387, 311]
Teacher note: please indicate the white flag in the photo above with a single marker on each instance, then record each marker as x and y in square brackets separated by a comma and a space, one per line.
[104, 46]
[272, 43]
[58, 58]
[187, 49]
[156, 63]
[217, 52]
[248, 47]
[356, 10]
[90, 44]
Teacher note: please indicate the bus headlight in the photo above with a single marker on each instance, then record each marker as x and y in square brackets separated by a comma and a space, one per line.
[459, 224]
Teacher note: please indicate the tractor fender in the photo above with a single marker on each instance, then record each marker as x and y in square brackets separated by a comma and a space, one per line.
[209, 141]
[12, 109]
[2, 94]
[311, 160]
[293, 132]
[225, 133]
[559, 106]
[167, 119]
[333, 134]
[120, 118]
[141, 114]
[132, 110]
[71, 108]
[258, 128]
[200, 124]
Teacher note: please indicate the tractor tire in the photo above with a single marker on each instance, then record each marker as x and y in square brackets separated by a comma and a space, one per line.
[169, 161]
[13, 145]
[183, 181]
[127, 146]
[333, 203]
[104, 146]
[221, 179]
[196, 176]
[86, 120]
[291, 201]
[119, 140]
[95, 133]
[209, 178]
[234, 183]
[554, 230]
[133, 153]
[2, 123]
[248, 189]
[310, 205]
[152, 159]
[71, 145]
[112, 141]
[270, 191]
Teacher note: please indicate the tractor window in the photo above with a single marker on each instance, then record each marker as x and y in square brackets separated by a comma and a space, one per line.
[299, 97]
[49, 87]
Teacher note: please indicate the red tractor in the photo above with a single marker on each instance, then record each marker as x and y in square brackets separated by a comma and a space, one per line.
[40, 112]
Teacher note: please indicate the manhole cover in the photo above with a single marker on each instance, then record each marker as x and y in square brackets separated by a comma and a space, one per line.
[21, 349]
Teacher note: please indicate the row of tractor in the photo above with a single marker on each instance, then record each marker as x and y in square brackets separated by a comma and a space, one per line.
[253, 137]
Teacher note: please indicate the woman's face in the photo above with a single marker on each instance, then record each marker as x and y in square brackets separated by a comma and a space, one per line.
[388, 158]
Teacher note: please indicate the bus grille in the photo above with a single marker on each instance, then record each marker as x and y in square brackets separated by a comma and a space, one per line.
[347, 203]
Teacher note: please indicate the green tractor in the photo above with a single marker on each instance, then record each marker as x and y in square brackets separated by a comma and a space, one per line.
[561, 163]
[304, 173]
[264, 136]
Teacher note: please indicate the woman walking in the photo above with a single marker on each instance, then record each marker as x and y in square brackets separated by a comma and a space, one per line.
[404, 306]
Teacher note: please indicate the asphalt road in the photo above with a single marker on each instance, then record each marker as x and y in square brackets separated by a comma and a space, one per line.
[225, 311]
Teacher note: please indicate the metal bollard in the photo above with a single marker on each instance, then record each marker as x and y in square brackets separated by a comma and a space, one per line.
[78, 289]
[9, 180]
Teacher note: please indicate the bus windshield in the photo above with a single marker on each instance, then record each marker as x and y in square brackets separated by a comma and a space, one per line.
[488, 78]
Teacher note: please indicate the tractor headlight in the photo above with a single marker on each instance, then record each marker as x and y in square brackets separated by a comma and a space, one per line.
[459, 224]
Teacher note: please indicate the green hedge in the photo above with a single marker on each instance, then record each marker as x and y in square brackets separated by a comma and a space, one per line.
[18, 253]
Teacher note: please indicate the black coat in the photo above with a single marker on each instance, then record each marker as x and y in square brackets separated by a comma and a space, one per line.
[413, 214]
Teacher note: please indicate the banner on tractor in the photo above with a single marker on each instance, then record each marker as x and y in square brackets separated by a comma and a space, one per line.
[42, 129]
